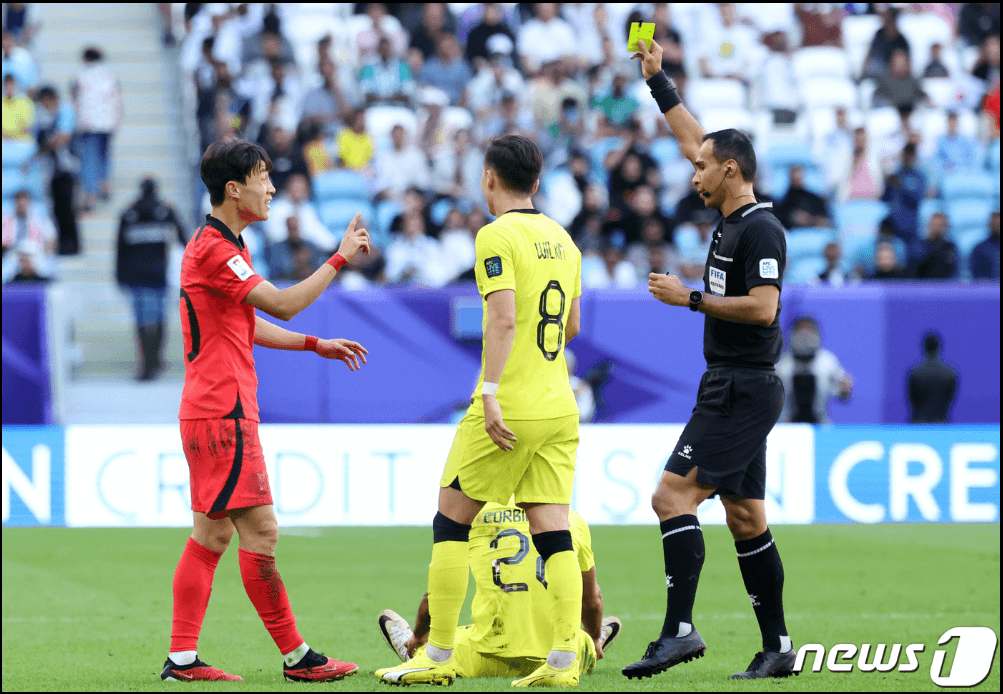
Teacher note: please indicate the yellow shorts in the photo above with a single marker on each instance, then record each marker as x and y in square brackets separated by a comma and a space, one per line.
[540, 469]
[471, 663]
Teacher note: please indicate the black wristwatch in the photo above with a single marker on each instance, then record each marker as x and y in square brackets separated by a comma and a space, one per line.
[695, 298]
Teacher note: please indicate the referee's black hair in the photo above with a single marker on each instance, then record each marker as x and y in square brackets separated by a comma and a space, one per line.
[228, 160]
[734, 144]
[517, 160]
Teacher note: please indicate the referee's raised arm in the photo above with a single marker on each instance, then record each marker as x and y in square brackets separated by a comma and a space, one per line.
[685, 127]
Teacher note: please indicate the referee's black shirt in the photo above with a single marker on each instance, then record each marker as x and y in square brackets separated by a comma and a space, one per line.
[748, 249]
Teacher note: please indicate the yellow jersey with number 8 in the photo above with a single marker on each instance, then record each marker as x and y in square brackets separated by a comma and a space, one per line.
[528, 252]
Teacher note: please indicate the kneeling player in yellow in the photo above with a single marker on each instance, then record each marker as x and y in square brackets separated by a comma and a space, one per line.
[529, 275]
[512, 631]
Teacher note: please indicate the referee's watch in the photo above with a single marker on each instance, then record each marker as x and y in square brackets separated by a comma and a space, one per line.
[695, 298]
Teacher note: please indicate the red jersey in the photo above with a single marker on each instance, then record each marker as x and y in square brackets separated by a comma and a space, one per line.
[218, 327]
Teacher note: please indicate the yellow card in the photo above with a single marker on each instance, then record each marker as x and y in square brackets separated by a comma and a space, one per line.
[640, 32]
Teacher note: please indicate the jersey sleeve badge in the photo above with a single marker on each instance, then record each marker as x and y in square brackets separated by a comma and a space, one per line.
[769, 269]
[240, 267]
[493, 266]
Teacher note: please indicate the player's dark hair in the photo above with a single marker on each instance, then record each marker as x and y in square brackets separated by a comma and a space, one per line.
[517, 160]
[734, 144]
[931, 343]
[230, 160]
[805, 321]
[92, 54]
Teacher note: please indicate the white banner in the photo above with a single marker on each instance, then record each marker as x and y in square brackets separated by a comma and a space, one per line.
[389, 474]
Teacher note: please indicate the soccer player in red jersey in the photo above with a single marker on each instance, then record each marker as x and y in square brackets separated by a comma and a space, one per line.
[219, 410]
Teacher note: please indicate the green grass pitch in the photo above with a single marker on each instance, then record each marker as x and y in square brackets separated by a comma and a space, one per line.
[91, 609]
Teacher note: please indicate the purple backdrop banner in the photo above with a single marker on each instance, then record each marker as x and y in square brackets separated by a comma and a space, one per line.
[425, 352]
[27, 396]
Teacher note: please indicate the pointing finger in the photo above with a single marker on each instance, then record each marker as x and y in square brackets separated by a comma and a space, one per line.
[355, 220]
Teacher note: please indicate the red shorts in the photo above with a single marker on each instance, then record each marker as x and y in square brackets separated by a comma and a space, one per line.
[226, 465]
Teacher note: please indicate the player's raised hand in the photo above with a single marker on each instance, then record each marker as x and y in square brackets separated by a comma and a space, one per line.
[495, 425]
[651, 61]
[668, 289]
[354, 240]
[343, 350]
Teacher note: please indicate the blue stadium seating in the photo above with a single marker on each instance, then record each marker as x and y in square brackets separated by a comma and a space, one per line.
[665, 150]
[385, 213]
[15, 153]
[857, 214]
[780, 180]
[860, 251]
[993, 160]
[786, 153]
[598, 153]
[339, 184]
[969, 239]
[808, 243]
[551, 178]
[968, 185]
[440, 209]
[969, 214]
[805, 271]
[336, 214]
[926, 210]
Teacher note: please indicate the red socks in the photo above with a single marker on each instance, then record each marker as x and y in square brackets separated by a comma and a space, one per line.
[192, 587]
[264, 587]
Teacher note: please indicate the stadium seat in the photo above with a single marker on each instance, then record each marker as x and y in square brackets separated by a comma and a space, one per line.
[858, 32]
[386, 210]
[931, 123]
[943, 91]
[882, 122]
[665, 150]
[380, 120]
[304, 28]
[343, 184]
[968, 123]
[865, 94]
[922, 30]
[927, 208]
[441, 208]
[714, 119]
[967, 240]
[779, 180]
[860, 217]
[829, 91]
[17, 152]
[457, 118]
[336, 214]
[993, 160]
[598, 153]
[969, 214]
[787, 153]
[860, 251]
[969, 185]
[805, 270]
[820, 61]
[715, 93]
[807, 243]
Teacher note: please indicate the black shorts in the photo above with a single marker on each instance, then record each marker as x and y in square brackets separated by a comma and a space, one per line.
[726, 435]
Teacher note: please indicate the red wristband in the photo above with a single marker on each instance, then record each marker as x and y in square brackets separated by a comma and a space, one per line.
[337, 261]
[310, 344]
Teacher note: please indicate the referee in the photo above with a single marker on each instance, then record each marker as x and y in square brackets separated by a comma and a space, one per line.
[722, 450]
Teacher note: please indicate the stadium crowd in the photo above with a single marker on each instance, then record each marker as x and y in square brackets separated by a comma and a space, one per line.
[877, 127]
[56, 157]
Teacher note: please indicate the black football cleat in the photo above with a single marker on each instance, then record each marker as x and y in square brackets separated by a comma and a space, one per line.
[666, 652]
[769, 664]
